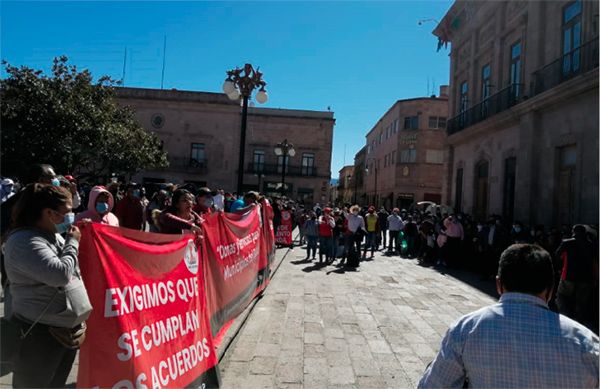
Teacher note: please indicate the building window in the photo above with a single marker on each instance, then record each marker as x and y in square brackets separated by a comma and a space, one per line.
[486, 74]
[280, 163]
[571, 38]
[197, 155]
[441, 122]
[434, 156]
[308, 164]
[437, 122]
[380, 137]
[515, 70]
[481, 189]
[464, 96]
[395, 126]
[394, 157]
[565, 188]
[411, 123]
[258, 161]
[433, 122]
[510, 174]
[459, 189]
[408, 156]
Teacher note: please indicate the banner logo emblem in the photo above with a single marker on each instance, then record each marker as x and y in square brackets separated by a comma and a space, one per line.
[191, 257]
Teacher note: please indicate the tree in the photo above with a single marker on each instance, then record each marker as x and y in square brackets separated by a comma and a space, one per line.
[72, 123]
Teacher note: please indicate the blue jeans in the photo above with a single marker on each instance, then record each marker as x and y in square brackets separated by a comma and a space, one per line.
[371, 242]
[326, 248]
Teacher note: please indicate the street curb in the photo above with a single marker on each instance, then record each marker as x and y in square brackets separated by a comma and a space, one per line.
[239, 322]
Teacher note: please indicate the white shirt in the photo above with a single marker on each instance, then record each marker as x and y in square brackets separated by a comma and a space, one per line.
[219, 201]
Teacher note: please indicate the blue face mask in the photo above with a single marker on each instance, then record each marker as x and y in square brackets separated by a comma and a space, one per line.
[136, 193]
[55, 182]
[67, 222]
[102, 208]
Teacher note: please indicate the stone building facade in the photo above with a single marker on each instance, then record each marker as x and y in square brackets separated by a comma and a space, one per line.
[346, 183]
[523, 137]
[404, 153]
[201, 133]
[360, 164]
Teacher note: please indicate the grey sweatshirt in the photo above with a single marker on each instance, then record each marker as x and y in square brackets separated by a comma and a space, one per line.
[43, 267]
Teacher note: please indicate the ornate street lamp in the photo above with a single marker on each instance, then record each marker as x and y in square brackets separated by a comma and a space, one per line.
[242, 82]
[284, 149]
[367, 171]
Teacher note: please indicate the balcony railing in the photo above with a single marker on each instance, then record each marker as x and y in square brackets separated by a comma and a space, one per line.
[275, 169]
[580, 60]
[492, 105]
[188, 165]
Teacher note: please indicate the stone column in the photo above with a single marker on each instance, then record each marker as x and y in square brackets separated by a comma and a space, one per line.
[526, 185]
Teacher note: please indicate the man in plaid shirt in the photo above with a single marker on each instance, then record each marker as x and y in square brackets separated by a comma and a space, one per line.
[519, 342]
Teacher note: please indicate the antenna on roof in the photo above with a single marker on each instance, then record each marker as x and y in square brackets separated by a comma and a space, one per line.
[124, 67]
[162, 78]
[427, 86]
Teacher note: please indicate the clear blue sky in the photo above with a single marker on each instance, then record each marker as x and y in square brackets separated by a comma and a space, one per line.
[357, 57]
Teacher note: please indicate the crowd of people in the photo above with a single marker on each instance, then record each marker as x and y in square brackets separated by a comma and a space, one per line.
[352, 233]
[46, 301]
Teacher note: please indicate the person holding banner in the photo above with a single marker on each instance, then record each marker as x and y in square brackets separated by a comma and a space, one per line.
[180, 216]
[48, 300]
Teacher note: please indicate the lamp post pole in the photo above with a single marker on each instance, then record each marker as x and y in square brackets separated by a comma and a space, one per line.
[355, 187]
[242, 82]
[374, 168]
[240, 178]
[284, 149]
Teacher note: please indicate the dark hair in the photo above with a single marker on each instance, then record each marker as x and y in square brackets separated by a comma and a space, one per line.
[34, 199]
[177, 195]
[526, 268]
[35, 173]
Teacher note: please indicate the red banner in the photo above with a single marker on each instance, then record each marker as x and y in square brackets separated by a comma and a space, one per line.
[284, 229]
[235, 264]
[149, 327]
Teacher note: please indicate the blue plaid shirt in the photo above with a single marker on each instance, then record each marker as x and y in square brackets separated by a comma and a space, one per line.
[517, 343]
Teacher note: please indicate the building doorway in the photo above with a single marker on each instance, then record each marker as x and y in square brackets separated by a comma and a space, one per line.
[405, 200]
[434, 197]
[565, 188]
[481, 190]
[510, 173]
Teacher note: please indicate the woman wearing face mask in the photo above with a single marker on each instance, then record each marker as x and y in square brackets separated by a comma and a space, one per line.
[49, 302]
[180, 216]
[100, 205]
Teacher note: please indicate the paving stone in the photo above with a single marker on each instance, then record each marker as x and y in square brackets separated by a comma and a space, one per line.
[263, 365]
[365, 367]
[313, 338]
[376, 328]
[341, 375]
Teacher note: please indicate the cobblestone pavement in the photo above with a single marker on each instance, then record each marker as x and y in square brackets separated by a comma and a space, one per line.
[323, 328]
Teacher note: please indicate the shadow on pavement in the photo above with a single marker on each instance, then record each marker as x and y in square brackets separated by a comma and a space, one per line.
[316, 266]
[300, 261]
[486, 286]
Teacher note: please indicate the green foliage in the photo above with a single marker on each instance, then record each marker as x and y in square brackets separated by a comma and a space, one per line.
[72, 123]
